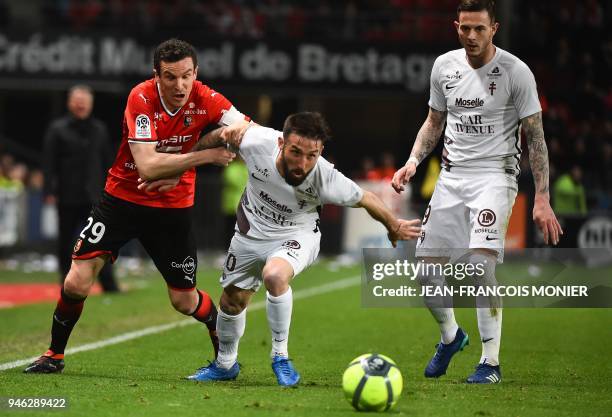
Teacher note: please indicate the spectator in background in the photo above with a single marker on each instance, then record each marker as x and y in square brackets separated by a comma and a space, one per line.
[77, 153]
[568, 193]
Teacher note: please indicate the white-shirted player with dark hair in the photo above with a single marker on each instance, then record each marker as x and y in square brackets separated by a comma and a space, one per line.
[485, 95]
[277, 233]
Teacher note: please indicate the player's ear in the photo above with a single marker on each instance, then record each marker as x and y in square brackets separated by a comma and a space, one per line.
[495, 27]
[195, 72]
[456, 25]
[281, 142]
[155, 74]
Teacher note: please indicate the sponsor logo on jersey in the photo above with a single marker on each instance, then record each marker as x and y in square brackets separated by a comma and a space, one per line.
[187, 121]
[130, 165]
[263, 171]
[194, 112]
[291, 244]
[173, 141]
[472, 124]
[282, 207]
[469, 103]
[486, 217]
[146, 100]
[455, 76]
[309, 193]
[188, 265]
[77, 245]
[191, 105]
[143, 127]
[495, 73]
[256, 177]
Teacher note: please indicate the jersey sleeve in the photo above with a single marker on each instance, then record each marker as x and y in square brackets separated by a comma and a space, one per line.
[437, 100]
[524, 91]
[338, 189]
[139, 119]
[220, 110]
[259, 140]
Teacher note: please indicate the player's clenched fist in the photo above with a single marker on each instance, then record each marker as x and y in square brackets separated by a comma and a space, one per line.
[402, 176]
[220, 156]
[405, 230]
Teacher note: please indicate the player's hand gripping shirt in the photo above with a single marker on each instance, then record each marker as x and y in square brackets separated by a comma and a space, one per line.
[272, 209]
[484, 106]
[146, 119]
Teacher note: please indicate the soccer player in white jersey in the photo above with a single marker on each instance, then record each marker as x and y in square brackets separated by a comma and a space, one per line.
[277, 233]
[485, 95]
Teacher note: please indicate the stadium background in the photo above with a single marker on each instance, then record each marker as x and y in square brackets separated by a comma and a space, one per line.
[365, 65]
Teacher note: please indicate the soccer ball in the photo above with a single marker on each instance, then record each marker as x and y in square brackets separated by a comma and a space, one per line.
[372, 382]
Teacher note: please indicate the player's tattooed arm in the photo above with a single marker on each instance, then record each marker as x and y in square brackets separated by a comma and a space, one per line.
[426, 141]
[429, 134]
[212, 139]
[543, 215]
[538, 152]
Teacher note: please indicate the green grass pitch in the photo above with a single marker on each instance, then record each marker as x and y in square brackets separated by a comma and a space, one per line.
[555, 362]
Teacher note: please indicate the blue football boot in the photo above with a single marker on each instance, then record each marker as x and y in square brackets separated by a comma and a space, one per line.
[213, 372]
[444, 353]
[286, 375]
[485, 374]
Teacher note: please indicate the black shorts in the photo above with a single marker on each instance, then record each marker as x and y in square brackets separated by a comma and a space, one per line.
[165, 233]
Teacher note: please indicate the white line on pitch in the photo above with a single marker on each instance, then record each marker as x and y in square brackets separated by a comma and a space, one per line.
[305, 293]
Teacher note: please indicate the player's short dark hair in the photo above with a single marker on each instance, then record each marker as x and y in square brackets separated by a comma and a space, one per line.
[311, 125]
[477, 6]
[173, 50]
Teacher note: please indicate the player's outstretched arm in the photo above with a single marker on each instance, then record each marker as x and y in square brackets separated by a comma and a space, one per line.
[426, 141]
[226, 135]
[398, 229]
[543, 215]
[212, 139]
[154, 165]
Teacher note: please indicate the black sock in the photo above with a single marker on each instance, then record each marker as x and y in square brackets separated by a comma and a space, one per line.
[206, 312]
[65, 316]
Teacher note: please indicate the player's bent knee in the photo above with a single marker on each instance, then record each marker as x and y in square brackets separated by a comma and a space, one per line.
[81, 276]
[276, 284]
[234, 302]
[184, 302]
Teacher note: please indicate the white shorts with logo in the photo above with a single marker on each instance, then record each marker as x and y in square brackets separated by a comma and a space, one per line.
[246, 257]
[468, 209]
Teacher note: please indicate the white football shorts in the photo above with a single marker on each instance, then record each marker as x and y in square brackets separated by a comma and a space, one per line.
[468, 209]
[246, 257]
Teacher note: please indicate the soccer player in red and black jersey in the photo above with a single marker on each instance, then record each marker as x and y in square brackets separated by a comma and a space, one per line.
[162, 123]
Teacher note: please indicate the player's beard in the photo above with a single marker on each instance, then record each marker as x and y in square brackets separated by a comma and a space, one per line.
[289, 177]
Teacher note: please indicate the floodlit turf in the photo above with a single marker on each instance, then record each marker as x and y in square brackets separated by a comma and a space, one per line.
[554, 362]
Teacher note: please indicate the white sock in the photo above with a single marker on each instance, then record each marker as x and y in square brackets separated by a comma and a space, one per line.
[489, 310]
[446, 320]
[489, 326]
[278, 310]
[440, 308]
[229, 330]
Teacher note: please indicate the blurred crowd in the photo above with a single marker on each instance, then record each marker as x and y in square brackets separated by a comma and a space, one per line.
[16, 175]
[416, 20]
[568, 45]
